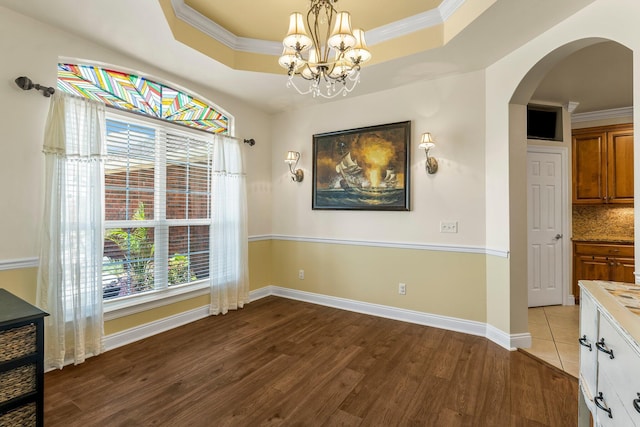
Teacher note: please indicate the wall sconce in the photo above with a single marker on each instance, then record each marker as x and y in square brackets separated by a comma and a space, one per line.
[427, 142]
[292, 159]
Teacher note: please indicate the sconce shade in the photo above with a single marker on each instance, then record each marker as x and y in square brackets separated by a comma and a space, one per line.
[311, 66]
[288, 59]
[427, 141]
[292, 159]
[297, 37]
[342, 36]
[359, 53]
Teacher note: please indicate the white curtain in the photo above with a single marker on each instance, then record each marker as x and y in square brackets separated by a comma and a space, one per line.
[229, 244]
[69, 276]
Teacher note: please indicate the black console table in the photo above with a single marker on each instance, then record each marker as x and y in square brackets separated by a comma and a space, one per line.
[21, 362]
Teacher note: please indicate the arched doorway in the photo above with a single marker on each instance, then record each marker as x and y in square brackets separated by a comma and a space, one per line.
[523, 95]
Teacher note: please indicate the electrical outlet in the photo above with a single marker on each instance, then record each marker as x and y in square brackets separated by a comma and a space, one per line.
[402, 289]
[301, 274]
[448, 226]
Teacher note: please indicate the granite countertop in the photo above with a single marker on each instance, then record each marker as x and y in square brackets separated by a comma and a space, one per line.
[621, 301]
[603, 238]
[627, 294]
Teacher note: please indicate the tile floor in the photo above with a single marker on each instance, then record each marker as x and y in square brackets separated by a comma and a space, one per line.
[554, 336]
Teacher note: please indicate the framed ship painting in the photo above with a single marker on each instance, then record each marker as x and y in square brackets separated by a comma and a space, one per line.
[362, 169]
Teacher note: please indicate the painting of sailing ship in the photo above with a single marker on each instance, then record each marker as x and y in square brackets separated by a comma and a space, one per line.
[362, 169]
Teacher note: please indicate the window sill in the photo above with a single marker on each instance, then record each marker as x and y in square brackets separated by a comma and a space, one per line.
[133, 304]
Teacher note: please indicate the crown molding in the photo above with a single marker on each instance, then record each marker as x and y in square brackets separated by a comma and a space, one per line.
[449, 7]
[377, 35]
[202, 23]
[614, 113]
[405, 26]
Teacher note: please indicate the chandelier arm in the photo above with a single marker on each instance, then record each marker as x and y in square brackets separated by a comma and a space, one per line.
[330, 11]
[313, 77]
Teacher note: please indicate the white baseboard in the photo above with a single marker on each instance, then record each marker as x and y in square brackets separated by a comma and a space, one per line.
[260, 293]
[509, 342]
[149, 329]
[152, 328]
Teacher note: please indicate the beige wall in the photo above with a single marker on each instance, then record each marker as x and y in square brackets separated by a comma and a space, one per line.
[442, 283]
[450, 108]
[21, 282]
[443, 280]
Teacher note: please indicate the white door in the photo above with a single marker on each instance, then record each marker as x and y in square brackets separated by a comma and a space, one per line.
[545, 249]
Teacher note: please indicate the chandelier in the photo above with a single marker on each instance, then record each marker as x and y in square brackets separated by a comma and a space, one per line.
[330, 58]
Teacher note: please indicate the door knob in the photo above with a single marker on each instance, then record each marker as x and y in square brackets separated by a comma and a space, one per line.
[558, 237]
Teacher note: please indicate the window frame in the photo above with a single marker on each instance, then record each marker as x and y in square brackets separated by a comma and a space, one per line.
[114, 308]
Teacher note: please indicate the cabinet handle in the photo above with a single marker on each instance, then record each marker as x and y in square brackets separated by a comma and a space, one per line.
[583, 342]
[597, 400]
[636, 403]
[600, 345]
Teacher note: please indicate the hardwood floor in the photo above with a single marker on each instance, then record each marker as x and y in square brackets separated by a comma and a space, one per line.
[285, 362]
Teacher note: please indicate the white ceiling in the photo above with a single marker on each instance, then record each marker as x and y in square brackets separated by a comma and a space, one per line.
[598, 77]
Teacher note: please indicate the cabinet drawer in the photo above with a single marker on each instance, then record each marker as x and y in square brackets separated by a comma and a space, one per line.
[623, 370]
[604, 249]
[17, 342]
[17, 382]
[610, 400]
[23, 416]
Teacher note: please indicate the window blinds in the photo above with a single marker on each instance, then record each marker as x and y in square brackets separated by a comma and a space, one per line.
[157, 207]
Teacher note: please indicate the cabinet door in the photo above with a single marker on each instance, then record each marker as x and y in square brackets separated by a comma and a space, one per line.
[589, 167]
[589, 267]
[623, 270]
[620, 166]
[589, 319]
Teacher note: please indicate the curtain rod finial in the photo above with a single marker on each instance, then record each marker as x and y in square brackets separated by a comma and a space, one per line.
[25, 83]
[251, 142]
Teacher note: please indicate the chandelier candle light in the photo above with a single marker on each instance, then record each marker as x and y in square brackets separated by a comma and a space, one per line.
[333, 57]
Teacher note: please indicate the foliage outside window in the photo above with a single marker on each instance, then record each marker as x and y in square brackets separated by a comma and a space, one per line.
[157, 207]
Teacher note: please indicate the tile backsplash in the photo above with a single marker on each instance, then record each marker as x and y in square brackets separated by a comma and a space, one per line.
[603, 222]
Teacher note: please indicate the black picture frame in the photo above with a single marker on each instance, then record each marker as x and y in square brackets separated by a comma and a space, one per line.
[362, 169]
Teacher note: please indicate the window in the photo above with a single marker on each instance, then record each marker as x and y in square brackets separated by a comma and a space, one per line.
[157, 179]
[157, 207]
[140, 95]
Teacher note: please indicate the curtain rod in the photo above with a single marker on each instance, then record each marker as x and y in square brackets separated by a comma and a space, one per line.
[25, 83]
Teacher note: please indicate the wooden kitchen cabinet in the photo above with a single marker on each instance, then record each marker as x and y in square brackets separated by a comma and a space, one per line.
[602, 164]
[602, 261]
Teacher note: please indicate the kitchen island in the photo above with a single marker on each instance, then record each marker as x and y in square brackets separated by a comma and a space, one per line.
[609, 353]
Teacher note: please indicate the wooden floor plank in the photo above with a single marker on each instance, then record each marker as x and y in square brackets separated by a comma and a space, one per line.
[284, 362]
